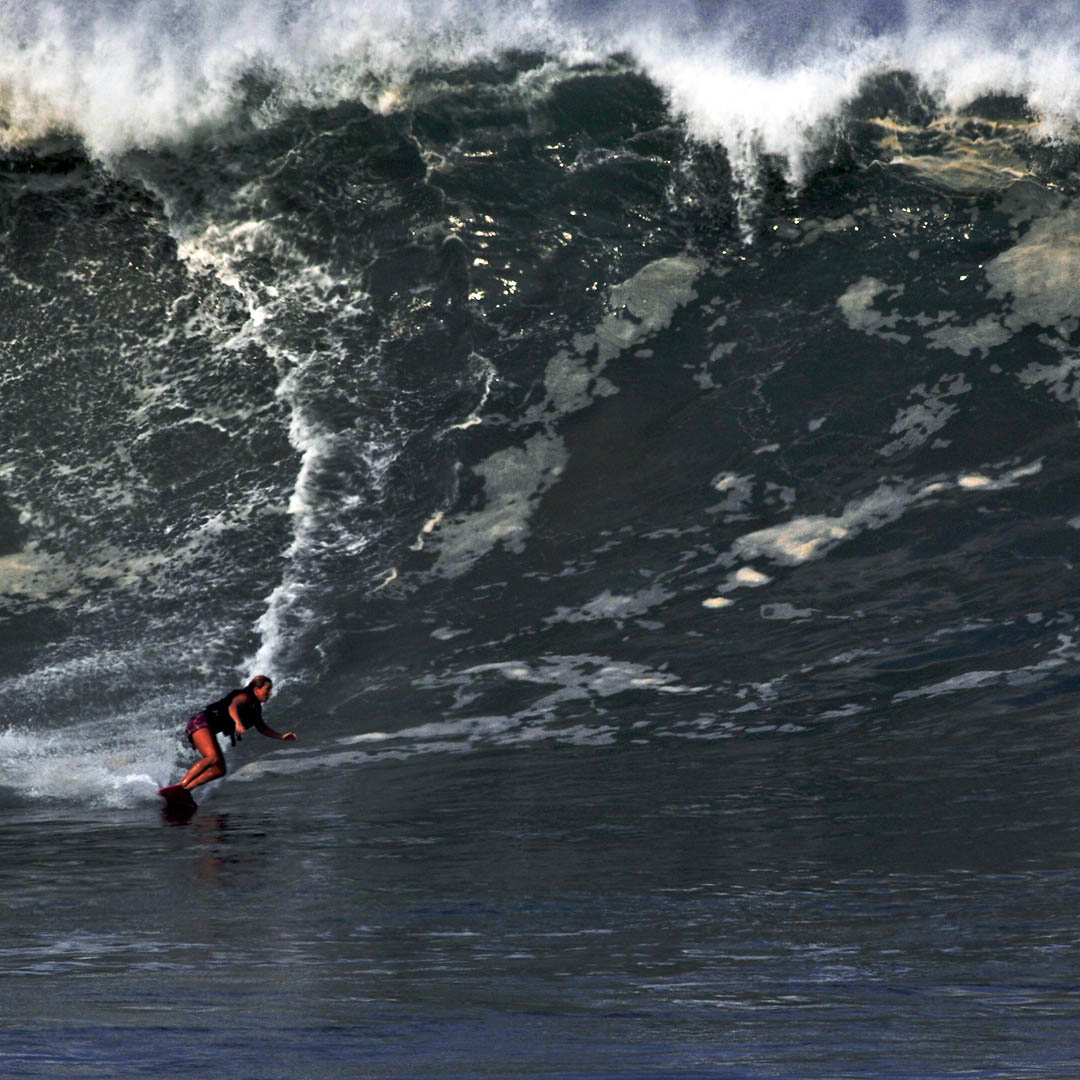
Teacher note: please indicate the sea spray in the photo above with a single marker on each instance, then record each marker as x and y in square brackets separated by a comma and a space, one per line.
[748, 77]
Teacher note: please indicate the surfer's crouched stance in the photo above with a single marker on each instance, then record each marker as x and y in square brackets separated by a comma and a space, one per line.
[232, 715]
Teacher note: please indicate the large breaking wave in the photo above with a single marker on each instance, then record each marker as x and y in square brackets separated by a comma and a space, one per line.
[494, 374]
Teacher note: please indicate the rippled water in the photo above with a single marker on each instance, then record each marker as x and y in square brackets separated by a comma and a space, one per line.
[749, 911]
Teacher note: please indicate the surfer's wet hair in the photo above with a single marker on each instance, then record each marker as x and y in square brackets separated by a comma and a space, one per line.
[260, 681]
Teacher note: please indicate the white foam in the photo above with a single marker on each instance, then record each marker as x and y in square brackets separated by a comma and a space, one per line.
[976, 680]
[474, 419]
[980, 336]
[614, 606]
[137, 73]
[574, 678]
[750, 577]
[785, 612]
[717, 603]
[90, 765]
[1034, 282]
[33, 574]
[930, 413]
[144, 71]
[644, 304]
[738, 492]
[319, 524]
[1063, 379]
[1039, 277]
[516, 477]
[812, 536]
[857, 306]
[725, 100]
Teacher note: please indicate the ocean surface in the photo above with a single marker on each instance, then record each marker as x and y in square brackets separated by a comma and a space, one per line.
[641, 443]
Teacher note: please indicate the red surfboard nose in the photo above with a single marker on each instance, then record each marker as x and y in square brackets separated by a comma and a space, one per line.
[176, 795]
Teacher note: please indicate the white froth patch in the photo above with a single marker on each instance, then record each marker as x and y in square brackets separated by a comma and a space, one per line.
[427, 529]
[139, 73]
[727, 481]
[1037, 282]
[712, 728]
[785, 612]
[981, 336]
[613, 606]
[1062, 379]
[796, 541]
[857, 306]
[219, 249]
[750, 577]
[717, 603]
[144, 73]
[980, 481]
[851, 709]
[583, 677]
[452, 733]
[737, 489]
[87, 765]
[283, 765]
[915, 424]
[806, 538]
[286, 609]
[571, 384]
[40, 577]
[34, 575]
[516, 478]
[1040, 276]
[646, 303]
[473, 419]
[390, 577]
[713, 86]
[976, 680]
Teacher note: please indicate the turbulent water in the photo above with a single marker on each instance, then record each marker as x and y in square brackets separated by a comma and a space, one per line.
[640, 443]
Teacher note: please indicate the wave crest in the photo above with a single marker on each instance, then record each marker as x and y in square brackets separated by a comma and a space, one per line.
[752, 78]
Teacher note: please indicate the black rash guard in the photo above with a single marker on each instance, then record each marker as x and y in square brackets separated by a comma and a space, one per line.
[250, 710]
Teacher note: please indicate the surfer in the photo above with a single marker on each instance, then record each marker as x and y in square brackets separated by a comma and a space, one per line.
[231, 715]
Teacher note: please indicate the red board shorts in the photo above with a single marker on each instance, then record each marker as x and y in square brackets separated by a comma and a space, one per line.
[197, 723]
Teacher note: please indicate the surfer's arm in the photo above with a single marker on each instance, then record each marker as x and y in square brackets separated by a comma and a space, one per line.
[270, 733]
[234, 712]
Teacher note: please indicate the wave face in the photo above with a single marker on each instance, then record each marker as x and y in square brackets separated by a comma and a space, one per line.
[505, 374]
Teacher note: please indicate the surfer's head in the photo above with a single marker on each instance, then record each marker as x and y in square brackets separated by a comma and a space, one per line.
[261, 687]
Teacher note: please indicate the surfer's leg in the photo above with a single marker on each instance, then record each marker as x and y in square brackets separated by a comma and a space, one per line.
[212, 763]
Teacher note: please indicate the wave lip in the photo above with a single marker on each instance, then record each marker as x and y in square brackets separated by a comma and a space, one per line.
[136, 74]
[753, 78]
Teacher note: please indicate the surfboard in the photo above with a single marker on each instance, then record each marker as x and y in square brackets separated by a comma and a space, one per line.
[178, 801]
